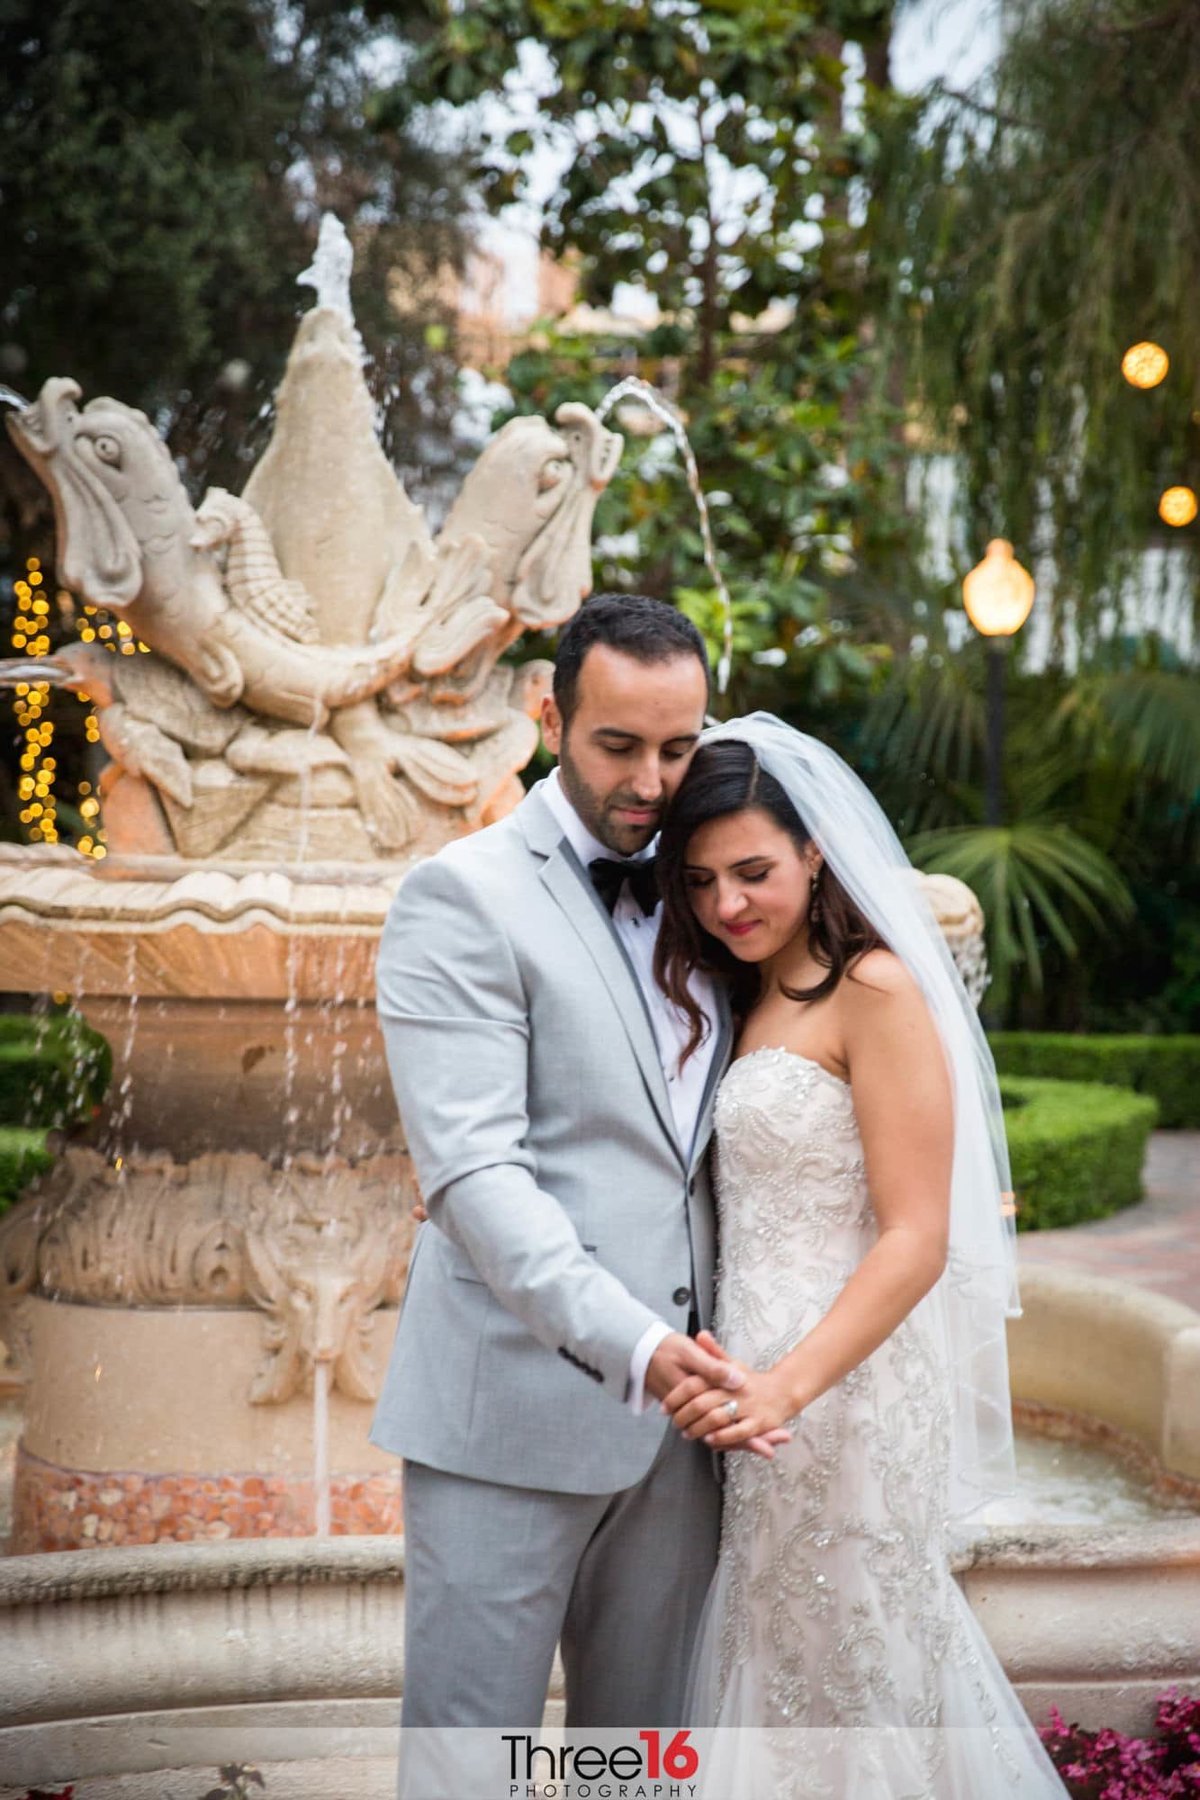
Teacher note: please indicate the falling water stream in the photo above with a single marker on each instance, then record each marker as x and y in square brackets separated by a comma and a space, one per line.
[633, 387]
[321, 1503]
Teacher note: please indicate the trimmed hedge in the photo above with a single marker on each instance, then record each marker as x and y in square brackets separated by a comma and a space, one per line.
[1076, 1148]
[23, 1154]
[53, 1070]
[1167, 1068]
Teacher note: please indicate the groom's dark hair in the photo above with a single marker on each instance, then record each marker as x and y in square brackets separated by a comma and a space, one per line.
[648, 630]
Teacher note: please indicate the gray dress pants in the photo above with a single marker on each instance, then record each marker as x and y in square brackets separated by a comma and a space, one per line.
[495, 1576]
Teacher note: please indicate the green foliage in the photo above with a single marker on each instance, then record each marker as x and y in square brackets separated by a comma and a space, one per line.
[1101, 788]
[1029, 877]
[700, 144]
[161, 171]
[23, 1154]
[53, 1070]
[1028, 233]
[1076, 1149]
[1166, 1068]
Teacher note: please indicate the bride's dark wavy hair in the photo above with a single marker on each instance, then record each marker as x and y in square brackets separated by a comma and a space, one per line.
[726, 778]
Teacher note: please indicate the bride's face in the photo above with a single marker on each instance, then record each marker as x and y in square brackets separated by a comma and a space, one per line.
[750, 883]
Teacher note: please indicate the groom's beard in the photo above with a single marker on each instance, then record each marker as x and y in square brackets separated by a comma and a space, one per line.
[599, 812]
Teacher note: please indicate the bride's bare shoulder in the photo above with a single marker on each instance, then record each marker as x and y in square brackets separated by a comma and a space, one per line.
[877, 974]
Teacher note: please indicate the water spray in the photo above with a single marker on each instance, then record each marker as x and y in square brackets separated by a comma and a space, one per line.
[657, 403]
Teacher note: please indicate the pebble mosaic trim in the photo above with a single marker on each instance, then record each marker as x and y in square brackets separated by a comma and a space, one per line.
[67, 1509]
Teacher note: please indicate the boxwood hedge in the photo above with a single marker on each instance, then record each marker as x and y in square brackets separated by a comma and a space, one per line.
[1168, 1068]
[1076, 1148]
[53, 1070]
[23, 1154]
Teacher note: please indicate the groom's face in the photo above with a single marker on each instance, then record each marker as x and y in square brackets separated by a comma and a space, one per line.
[629, 741]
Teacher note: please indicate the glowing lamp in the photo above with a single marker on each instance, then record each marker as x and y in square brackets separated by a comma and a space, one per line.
[998, 593]
[1178, 506]
[1145, 365]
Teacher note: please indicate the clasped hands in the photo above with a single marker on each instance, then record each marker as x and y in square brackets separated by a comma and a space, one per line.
[695, 1379]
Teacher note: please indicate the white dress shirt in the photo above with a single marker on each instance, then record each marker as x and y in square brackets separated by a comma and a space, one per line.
[685, 1086]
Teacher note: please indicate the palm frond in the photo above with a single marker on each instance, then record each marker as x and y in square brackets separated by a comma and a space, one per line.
[1033, 878]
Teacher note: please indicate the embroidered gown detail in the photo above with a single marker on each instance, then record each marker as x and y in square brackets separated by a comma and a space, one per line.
[833, 1606]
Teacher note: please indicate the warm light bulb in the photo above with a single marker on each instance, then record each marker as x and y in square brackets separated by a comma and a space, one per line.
[1177, 506]
[998, 592]
[1145, 365]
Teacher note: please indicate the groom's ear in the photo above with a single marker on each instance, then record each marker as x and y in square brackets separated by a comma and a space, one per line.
[552, 725]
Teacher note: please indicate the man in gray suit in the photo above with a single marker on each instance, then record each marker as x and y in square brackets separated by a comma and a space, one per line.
[568, 1254]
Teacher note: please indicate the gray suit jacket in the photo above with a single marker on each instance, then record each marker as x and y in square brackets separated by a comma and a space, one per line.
[564, 1215]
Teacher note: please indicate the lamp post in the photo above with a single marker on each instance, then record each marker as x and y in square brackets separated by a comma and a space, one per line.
[998, 595]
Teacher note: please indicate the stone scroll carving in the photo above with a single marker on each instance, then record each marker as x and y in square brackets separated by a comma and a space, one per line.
[318, 1247]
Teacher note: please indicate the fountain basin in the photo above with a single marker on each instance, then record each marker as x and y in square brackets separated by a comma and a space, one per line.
[127, 1663]
[1096, 1358]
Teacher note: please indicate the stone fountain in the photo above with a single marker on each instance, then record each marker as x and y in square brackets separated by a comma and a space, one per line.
[320, 701]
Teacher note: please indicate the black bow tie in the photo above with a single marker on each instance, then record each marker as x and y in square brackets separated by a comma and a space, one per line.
[609, 877]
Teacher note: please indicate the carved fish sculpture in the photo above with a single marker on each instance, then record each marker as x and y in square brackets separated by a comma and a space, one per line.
[125, 534]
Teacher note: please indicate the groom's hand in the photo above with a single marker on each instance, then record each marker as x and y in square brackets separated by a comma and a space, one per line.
[679, 1358]
[697, 1410]
[687, 1365]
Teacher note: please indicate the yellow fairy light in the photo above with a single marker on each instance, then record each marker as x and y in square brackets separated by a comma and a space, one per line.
[1177, 506]
[1144, 365]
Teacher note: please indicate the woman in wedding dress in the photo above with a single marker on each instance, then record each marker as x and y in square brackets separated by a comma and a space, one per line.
[865, 1273]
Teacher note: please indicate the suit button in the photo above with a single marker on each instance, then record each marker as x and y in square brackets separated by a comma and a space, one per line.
[692, 1185]
[681, 1296]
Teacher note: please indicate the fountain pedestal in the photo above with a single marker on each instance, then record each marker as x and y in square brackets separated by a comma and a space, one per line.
[237, 1216]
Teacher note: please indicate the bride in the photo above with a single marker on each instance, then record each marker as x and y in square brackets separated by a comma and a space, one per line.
[866, 1270]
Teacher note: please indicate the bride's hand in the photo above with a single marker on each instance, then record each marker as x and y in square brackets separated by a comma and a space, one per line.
[763, 1404]
[763, 1407]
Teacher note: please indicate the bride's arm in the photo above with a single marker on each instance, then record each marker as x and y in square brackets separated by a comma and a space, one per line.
[904, 1108]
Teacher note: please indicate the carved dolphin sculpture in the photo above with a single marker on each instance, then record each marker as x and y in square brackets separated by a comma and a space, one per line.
[126, 531]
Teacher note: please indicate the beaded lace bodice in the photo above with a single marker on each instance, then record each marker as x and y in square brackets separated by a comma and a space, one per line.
[834, 1605]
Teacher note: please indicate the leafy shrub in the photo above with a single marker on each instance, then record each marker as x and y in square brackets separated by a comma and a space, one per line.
[1076, 1149]
[53, 1070]
[1168, 1068]
[23, 1154]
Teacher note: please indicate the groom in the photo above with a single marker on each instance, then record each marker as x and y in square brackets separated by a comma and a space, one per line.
[568, 1257]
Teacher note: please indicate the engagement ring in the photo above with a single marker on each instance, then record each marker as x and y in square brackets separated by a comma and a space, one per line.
[731, 1408]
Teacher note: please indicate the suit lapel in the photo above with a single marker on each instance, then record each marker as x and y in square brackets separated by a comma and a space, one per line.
[568, 883]
[716, 1069]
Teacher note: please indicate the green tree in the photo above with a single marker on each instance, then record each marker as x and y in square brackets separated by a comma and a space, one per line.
[1029, 232]
[709, 156]
[162, 170]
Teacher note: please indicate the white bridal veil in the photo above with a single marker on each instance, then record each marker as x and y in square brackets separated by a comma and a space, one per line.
[979, 1285]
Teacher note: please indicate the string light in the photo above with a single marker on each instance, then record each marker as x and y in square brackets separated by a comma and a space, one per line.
[1144, 365]
[1177, 506]
[31, 699]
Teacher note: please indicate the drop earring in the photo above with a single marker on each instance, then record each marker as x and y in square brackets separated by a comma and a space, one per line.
[814, 900]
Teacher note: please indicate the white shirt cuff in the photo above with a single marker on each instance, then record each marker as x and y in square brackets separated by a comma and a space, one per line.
[639, 1362]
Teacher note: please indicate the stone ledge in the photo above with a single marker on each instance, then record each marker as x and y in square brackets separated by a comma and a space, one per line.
[191, 1568]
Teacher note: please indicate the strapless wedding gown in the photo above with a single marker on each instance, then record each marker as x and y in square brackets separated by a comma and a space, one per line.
[833, 1608]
